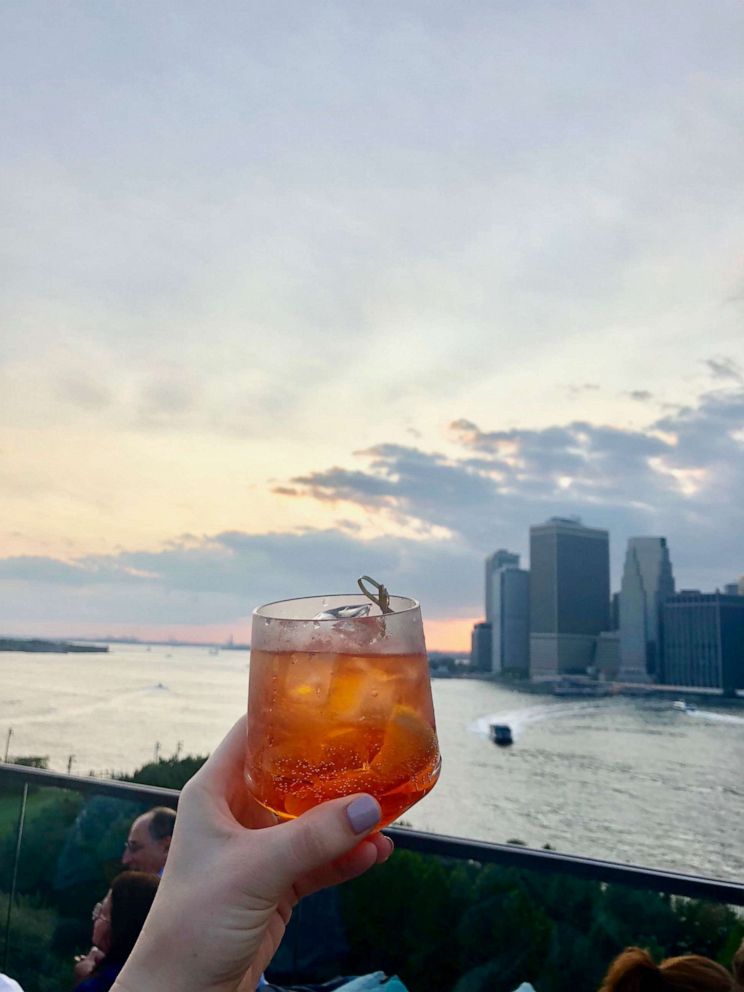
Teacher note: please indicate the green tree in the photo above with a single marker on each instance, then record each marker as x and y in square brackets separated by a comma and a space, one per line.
[31, 958]
[167, 773]
[399, 919]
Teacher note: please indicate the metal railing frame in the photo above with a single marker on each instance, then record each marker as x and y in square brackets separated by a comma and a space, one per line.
[511, 855]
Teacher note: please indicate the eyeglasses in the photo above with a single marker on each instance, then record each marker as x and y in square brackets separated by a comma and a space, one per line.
[98, 913]
[132, 846]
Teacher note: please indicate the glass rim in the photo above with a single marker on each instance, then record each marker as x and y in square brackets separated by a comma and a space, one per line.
[348, 596]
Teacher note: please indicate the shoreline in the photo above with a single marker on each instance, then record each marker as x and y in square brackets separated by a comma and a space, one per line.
[40, 646]
[605, 690]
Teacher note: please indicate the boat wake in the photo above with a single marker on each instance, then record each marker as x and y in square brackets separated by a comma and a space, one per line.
[56, 713]
[716, 717]
[519, 719]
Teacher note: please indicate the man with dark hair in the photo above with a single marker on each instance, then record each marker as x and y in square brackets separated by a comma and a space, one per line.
[146, 848]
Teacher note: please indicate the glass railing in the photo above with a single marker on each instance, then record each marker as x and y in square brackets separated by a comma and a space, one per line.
[445, 913]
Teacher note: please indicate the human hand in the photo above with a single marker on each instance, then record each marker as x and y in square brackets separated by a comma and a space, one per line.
[234, 874]
[85, 963]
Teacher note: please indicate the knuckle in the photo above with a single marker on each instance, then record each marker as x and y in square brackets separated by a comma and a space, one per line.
[310, 845]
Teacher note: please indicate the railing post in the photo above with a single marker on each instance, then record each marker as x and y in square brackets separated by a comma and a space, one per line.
[16, 859]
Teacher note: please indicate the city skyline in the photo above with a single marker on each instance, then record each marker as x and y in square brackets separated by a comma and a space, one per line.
[293, 295]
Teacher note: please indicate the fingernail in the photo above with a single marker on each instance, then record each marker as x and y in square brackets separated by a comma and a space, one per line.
[363, 813]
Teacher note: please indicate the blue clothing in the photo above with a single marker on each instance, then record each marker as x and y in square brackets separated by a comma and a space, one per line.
[101, 980]
[376, 981]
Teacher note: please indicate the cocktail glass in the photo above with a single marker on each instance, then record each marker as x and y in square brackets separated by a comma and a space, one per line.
[339, 705]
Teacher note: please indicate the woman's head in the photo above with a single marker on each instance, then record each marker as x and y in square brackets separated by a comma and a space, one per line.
[126, 906]
[635, 971]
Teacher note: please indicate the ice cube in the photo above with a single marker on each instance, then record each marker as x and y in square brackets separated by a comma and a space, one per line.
[307, 678]
[350, 612]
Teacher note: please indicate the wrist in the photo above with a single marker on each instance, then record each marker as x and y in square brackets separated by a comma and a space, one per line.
[166, 961]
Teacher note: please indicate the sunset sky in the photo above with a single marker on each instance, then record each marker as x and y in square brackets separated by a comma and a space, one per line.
[293, 292]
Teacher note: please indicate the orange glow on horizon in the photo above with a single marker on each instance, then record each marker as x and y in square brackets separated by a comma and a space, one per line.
[441, 635]
[449, 635]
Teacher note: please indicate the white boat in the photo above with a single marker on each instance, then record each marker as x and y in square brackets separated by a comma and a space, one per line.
[680, 704]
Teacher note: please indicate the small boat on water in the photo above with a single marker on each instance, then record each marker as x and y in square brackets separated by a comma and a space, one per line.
[685, 707]
[500, 734]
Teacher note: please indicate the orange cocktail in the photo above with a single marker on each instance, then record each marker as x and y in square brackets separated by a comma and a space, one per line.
[339, 706]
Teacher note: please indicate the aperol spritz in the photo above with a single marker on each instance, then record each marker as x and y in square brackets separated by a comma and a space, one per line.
[338, 705]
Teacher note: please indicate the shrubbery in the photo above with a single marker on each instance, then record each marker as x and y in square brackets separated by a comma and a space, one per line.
[32, 959]
[167, 773]
[443, 925]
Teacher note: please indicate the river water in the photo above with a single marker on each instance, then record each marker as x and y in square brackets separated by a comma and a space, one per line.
[626, 779]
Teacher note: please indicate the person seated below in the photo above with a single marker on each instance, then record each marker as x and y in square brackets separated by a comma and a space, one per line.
[146, 848]
[117, 922]
[635, 971]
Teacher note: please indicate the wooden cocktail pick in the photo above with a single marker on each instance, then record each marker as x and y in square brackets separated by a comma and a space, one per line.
[381, 598]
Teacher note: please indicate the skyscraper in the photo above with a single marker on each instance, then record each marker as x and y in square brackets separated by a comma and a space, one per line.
[647, 582]
[507, 610]
[569, 595]
[480, 647]
[498, 560]
[704, 640]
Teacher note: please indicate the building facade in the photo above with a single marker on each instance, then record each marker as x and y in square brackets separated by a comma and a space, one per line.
[510, 621]
[480, 647]
[703, 642]
[494, 564]
[569, 595]
[647, 582]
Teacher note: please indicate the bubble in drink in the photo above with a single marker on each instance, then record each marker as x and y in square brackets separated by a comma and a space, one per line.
[370, 729]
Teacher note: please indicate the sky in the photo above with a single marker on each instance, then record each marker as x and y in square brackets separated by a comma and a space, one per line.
[294, 292]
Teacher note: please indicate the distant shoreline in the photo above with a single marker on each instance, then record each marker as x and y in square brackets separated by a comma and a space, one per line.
[610, 690]
[80, 643]
[39, 646]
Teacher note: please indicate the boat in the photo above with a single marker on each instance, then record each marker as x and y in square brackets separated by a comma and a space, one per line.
[500, 734]
[685, 707]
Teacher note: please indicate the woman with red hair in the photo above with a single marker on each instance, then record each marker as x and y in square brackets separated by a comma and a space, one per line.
[635, 971]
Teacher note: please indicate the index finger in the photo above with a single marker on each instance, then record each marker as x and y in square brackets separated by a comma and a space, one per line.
[217, 774]
[220, 781]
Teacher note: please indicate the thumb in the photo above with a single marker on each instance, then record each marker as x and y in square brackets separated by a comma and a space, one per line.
[321, 836]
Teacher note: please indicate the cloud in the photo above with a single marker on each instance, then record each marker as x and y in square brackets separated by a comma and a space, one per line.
[82, 390]
[222, 577]
[725, 368]
[585, 387]
[166, 394]
[338, 484]
[681, 477]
